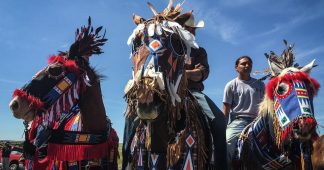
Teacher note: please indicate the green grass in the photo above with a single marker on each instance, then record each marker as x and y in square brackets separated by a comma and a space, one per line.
[120, 155]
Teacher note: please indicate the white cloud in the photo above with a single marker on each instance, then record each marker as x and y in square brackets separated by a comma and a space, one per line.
[290, 23]
[310, 52]
[11, 81]
[65, 45]
[217, 23]
[236, 3]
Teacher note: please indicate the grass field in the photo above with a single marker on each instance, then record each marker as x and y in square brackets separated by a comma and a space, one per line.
[120, 155]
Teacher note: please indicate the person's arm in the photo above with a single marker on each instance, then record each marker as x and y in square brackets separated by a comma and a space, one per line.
[200, 71]
[227, 100]
[226, 110]
[194, 75]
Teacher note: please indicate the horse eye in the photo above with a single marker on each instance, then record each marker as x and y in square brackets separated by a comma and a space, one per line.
[282, 89]
[55, 71]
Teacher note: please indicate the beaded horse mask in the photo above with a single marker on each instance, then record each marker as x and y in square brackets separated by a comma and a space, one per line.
[160, 47]
[292, 90]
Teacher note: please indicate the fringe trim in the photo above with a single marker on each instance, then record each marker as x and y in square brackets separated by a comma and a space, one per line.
[82, 152]
[68, 64]
[76, 152]
[34, 101]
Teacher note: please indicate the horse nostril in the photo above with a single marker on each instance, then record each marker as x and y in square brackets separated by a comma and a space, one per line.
[14, 105]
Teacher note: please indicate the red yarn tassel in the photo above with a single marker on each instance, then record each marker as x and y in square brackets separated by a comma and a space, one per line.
[63, 152]
[34, 102]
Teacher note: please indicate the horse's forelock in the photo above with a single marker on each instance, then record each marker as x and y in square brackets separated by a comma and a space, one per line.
[68, 64]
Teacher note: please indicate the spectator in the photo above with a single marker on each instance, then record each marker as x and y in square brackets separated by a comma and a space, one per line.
[241, 98]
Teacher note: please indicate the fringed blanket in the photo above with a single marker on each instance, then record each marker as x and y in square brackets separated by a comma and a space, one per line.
[257, 138]
[68, 145]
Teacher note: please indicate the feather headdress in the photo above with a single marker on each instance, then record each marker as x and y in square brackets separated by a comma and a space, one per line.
[87, 42]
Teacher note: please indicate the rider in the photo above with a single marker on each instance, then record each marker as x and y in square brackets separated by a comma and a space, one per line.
[241, 98]
[197, 70]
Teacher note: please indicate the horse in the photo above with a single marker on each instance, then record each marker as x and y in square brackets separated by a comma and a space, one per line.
[63, 106]
[167, 129]
[281, 136]
[318, 154]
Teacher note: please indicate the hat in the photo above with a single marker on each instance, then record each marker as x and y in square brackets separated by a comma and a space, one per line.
[191, 23]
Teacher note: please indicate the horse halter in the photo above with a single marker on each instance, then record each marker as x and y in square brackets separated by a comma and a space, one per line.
[168, 72]
[68, 85]
[293, 104]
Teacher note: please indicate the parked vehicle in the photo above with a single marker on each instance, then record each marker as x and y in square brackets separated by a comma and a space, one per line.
[15, 161]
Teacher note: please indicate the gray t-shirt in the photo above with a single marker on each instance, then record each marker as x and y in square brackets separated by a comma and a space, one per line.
[244, 97]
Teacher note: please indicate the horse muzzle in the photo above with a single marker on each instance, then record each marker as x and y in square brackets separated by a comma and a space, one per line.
[148, 111]
[304, 128]
[20, 109]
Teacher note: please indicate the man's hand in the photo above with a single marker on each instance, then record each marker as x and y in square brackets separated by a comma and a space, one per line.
[194, 75]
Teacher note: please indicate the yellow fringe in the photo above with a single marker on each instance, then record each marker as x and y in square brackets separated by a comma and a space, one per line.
[302, 163]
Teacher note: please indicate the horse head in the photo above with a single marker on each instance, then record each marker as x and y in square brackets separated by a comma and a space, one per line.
[160, 46]
[289, 97]
[66, 80]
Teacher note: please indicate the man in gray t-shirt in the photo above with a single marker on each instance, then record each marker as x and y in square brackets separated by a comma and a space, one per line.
[241, 98]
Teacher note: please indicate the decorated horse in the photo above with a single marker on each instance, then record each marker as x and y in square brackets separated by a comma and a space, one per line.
[167, 129]
[281, 136]
[68, 126]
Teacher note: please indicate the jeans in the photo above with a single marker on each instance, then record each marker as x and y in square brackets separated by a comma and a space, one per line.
[5, 163]
[217, 125]
[233, 131]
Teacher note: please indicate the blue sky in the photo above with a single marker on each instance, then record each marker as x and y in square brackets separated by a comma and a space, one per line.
[32, 30]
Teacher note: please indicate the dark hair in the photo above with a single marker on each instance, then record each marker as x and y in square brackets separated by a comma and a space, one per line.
[244, 56]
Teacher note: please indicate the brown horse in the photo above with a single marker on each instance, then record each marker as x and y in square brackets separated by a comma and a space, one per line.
[282, 136]
[318, 154]
[64, 103]
[166, 128]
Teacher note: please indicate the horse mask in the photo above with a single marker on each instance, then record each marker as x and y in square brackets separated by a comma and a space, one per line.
[292, 90]
[160, 47]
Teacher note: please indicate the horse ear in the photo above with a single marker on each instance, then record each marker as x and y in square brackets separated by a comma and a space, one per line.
[152, 9]
[274, 68]
[181, 19]
[138, 19]
[308, 67]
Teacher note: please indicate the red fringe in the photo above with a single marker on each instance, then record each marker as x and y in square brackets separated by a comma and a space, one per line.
[306, 122]
[63, 152]
[34, 102]
[287, 132]
[69, 64]
[113, 154]
[299, 76]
